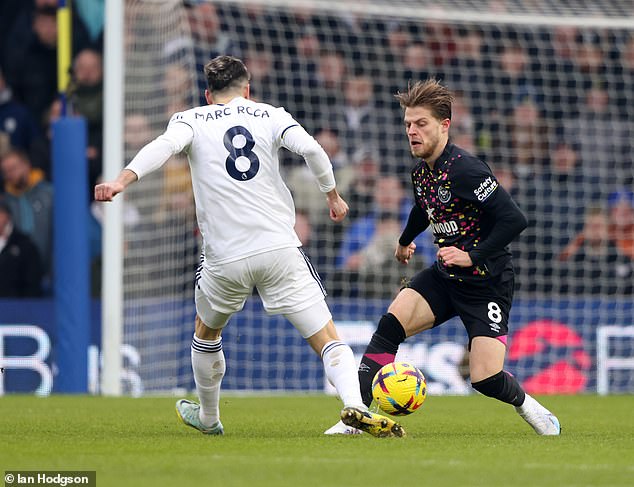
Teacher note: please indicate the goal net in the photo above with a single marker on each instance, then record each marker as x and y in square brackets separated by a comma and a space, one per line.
[544, 94]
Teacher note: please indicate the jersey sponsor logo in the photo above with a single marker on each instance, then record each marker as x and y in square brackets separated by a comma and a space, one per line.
[445, 228]
[485, 189]
[444, 195]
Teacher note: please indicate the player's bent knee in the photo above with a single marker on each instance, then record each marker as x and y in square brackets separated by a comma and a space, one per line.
[486, 357]
[205, 332]
[413, 312]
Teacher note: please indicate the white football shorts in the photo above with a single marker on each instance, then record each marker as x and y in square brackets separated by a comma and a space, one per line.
[285, 279]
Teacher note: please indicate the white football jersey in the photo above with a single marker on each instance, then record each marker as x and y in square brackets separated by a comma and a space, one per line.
[242, 204]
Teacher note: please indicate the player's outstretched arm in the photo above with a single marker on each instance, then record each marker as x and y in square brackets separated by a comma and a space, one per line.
[107, 191]
[337, 205]
[151, 157]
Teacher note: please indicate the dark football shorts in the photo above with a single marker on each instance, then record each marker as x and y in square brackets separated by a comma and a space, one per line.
[482, 305]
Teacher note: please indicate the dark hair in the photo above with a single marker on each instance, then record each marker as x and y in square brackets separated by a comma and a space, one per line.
[430, 94]
[225, 72]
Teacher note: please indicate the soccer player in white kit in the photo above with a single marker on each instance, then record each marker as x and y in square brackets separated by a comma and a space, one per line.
[246, 216]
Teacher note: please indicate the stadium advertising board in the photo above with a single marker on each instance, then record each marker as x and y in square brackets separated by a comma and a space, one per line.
[552, 350]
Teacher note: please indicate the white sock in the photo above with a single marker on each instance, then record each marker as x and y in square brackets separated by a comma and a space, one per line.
[208, 363]
[341, 371]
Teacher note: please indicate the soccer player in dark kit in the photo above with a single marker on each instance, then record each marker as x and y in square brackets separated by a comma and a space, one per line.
[473, 220]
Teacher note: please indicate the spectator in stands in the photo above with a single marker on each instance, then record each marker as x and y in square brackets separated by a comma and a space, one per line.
[17, 27]
[86, 96]
[300, 180]
[92, 15]
[464, 126]
[595, 263]
[500, 84]
[388, 202]
[367, 250]
[589, 54]
[624, 94]
[10, 12]
[528, 137]
[5, 146]
[305, 57]
[264, 81]
[470, 67]
[30, 198]
[564, 44]
[40, 153]
[554, 203]
[253, 23]
[516, 77]
[596, 57]
[15, 119]
[136, 133]
[621, 212]
[301, 88]
[440, 40]
[208, 40]
[321, 88]
[392, 53]
[627, 62]
[362, 176]
[558, 56]
[468, 58]
[358, 118]
[20, 265]
[417, 63]
[179, 84]
[332, 70]
[603, 138]
[31, 64]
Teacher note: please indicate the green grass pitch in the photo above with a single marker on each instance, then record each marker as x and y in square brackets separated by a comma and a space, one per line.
[278, 441]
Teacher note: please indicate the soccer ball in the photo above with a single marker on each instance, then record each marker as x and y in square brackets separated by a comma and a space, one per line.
[399, 388]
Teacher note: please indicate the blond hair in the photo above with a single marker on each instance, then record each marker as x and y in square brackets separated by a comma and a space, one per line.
[429, 93]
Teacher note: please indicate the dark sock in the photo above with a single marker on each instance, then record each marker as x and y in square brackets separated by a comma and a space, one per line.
[380, 351]
[502, 386]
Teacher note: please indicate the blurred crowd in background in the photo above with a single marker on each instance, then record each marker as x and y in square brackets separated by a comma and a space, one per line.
[549, 108]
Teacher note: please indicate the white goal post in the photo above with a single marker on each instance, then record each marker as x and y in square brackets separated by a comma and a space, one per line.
[606, 360]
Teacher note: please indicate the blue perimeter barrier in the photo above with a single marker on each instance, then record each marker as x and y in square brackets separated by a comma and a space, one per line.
[264, 351]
